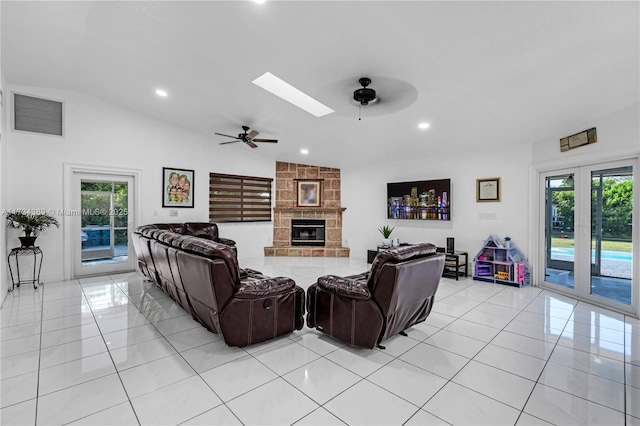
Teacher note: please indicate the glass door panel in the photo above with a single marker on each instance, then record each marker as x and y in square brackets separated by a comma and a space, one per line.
[95, 233]
[120, 216]
[104, 225]
[588, 237]
[559, 230]
[611, 234]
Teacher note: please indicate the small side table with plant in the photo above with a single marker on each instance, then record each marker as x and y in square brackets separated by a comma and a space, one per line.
[31, 224]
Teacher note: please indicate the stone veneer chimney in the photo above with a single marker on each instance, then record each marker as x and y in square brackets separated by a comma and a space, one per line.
[286, 208]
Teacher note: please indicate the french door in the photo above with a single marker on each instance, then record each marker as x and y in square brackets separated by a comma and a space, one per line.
[103, 225]
[588, 239]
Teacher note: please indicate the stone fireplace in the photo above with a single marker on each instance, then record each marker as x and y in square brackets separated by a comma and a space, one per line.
[286, 210]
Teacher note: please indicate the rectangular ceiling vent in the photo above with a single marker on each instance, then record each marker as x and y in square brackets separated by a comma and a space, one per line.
[37, 115]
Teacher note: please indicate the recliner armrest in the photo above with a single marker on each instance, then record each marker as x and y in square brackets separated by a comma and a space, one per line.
[265, 287]
[354, 289]
[225, 241]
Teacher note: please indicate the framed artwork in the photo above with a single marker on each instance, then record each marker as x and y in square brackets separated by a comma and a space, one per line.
[309, 193]
[177, 187]
[488, 189]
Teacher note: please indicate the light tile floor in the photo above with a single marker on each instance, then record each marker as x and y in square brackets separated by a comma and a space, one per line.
[115, 350]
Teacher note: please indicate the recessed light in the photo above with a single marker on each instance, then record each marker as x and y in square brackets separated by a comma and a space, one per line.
[304, 151]
[161, 92]
[423, 125]
[259, 1]
[284, 90]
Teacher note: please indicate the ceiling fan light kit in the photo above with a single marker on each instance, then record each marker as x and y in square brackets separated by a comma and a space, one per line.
[364, 95]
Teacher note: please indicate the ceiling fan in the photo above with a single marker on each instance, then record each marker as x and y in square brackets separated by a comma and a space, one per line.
[248, 138]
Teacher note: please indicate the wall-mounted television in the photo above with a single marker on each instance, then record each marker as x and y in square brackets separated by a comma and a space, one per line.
[419, 200]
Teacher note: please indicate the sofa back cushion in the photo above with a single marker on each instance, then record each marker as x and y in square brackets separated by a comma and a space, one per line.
[208, 286]
[396, 255]
[169, 237]
[405, 276]
[205, 230]
[212, 250]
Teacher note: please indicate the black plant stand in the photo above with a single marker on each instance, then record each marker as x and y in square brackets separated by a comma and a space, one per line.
[16, 253]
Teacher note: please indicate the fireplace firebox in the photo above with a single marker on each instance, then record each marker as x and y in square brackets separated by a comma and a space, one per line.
[307, 232]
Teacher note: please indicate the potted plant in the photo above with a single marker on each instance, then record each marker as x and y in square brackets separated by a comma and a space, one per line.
[32, 224]
[386, 233]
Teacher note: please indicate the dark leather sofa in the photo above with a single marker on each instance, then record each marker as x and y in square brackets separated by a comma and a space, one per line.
[367, 309]
[208, 231]
[200, 271]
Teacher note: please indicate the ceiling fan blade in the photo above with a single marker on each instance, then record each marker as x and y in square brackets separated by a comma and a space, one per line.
[224, 143]
[251, 144]
[228, 136]
[252, 134]
[266, 140]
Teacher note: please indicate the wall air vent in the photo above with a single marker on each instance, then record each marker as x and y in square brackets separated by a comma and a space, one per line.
[37, 115]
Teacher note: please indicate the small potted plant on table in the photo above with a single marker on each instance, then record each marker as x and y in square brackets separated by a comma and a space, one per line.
[32, 224]
[386, 233]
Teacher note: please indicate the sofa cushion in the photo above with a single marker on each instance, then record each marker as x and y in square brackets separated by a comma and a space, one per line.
[205, 230]
[171, 238]
[251, 289]
[345, 287]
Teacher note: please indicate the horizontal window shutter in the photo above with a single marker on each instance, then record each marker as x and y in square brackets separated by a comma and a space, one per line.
[235, 198]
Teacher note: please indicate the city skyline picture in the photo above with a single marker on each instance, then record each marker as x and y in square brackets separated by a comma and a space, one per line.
[419, 200]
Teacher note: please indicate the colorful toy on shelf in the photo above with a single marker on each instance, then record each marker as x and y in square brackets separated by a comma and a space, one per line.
[502, 275]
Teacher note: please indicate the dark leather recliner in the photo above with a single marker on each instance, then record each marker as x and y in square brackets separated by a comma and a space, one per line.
[204, 277]
[365, 310]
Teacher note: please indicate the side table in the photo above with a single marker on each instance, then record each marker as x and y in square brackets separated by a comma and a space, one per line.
[453, 263]
[18, 252]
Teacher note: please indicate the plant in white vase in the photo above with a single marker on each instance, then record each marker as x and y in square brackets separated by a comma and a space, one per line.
[386, 233]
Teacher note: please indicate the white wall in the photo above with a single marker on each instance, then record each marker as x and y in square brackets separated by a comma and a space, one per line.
[364, 195]
[4, 279]
[103, 135]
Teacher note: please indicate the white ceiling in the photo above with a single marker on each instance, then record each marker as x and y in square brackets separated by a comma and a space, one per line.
[483, 74]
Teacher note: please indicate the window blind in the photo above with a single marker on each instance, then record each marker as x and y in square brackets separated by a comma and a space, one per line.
[234, 198]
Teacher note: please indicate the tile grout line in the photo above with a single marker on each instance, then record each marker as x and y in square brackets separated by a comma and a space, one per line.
[35, 420]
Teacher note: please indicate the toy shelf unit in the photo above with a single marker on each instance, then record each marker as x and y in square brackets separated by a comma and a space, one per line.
[501, 262]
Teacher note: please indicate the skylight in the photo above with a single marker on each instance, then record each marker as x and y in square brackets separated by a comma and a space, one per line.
[284, 90]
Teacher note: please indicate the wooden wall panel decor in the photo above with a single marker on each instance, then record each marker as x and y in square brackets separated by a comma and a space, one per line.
[579, 139]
